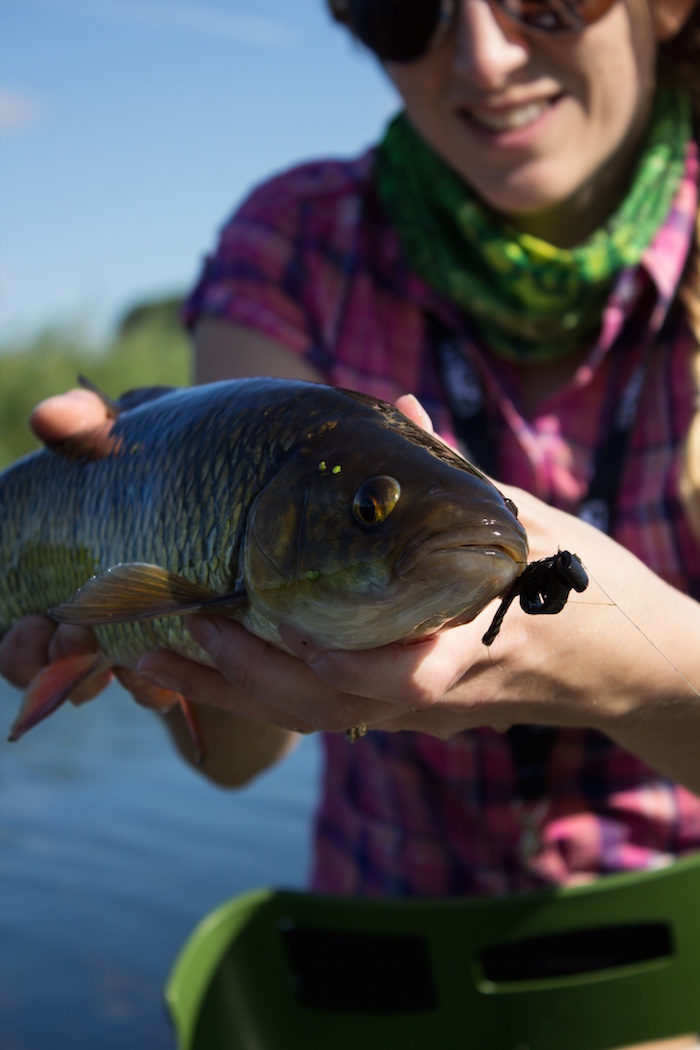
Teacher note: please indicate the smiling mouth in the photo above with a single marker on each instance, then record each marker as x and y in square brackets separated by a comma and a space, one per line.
[509, 119]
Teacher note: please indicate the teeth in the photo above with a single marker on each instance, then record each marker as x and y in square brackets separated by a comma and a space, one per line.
[511, 118]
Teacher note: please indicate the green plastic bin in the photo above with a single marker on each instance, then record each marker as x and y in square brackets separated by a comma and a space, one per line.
[609, 964]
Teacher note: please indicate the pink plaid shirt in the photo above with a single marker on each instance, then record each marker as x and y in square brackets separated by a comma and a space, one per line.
[310, 261]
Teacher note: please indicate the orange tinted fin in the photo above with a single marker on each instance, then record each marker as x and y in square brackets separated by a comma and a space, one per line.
[52, 687]
[162, 699]
[146, 692]
[194, 724]
[131, 592]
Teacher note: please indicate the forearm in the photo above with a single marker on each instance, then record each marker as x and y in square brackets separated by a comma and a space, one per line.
[227, 351]
[623, 657]
[664, 728]
[666, 738]
[236, 749]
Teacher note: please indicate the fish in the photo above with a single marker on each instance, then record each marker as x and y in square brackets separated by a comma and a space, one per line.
[270, 501]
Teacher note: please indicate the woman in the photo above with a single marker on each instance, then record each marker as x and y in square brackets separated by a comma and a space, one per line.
[519, 251]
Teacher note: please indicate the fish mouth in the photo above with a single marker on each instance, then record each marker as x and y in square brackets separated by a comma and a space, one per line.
[455, 545]
[454, 574]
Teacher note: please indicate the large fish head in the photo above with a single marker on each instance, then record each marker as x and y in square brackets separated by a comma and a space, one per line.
[375, 532]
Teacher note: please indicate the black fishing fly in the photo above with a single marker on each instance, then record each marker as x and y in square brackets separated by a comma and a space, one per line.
[544, 587]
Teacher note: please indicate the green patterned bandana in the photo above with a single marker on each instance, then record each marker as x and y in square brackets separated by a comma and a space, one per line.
[529, 300]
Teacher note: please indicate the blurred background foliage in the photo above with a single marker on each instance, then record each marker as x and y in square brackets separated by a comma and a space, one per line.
[148, 347]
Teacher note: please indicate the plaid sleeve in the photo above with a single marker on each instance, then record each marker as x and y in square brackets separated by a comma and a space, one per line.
[252, 278]
[283, 257]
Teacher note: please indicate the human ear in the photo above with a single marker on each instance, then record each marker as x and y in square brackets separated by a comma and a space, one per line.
[669, 17]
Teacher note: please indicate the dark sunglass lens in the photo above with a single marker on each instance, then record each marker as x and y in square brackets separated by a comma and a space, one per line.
[396, 30]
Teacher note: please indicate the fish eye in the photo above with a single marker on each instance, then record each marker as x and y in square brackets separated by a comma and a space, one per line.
[375, 499]
[511, 506]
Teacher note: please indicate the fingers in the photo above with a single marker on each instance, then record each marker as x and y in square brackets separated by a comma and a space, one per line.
[25, 650]
[207, 686]
[57, 418]
[91, 687]
[412, 677]
[259, 681]
[411, 407]
[69, 640]
[35, 642]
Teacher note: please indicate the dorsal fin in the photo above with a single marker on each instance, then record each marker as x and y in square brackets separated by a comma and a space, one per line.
[140, 395]
[111, 406]
[88, 446]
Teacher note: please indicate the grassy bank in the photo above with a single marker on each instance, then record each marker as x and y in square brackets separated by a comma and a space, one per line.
[148, 348]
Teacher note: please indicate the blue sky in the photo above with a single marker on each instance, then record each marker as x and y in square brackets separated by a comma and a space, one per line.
[129, 129]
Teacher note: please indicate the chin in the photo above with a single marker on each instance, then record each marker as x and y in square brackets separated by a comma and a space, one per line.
[535, 205]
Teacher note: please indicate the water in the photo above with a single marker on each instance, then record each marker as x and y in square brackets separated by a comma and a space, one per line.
[111, 849]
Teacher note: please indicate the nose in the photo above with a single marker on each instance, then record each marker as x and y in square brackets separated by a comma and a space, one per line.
[489, 47]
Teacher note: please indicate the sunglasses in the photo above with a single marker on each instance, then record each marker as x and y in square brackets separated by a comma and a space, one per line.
[404, 30]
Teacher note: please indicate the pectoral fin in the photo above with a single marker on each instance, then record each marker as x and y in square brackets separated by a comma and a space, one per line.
[136, 591]
[51, 688]
[163, 699]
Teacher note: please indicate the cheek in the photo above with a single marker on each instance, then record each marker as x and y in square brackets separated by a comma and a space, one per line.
[618, 118]
[420, 84]
[616, 69]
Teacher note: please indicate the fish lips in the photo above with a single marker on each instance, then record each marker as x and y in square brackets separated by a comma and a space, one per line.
[475, 571]
[497, 542]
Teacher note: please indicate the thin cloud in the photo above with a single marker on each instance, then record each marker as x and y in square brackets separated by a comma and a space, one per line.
[18, 111]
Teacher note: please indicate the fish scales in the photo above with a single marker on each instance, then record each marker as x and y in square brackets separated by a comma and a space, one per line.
[154, 499]
[284, 501]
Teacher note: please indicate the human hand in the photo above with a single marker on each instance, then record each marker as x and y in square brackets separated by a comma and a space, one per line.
[621, 658]
[588, 666]
[36, 641]
[391, 687]
[66, 415]
[538, 669]
[604, 661]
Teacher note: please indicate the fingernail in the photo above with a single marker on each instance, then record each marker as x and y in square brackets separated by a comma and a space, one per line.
[162, 681]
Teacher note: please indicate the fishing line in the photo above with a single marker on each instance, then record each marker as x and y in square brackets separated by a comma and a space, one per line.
[645, 636]
[610, 604]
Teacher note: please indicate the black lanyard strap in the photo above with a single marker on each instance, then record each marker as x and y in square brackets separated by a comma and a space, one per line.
[531, 746]
[600, 505]
[465, 395]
